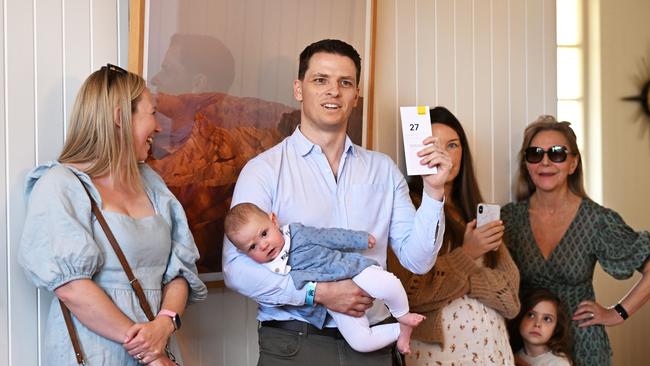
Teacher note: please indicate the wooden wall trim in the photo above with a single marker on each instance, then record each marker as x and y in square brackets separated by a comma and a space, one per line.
[371, 79]
[136, 36]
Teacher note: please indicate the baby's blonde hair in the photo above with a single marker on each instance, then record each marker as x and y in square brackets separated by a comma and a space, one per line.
[240, 215]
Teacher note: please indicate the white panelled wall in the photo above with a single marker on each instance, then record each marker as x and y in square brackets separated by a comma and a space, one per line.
[492, 62]
[49, 47]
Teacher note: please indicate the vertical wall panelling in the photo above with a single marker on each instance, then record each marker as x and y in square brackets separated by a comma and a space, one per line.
[483, 96]
[76, 48]
[445, 54]
[251, 332]
[4, 259]
[534, 59]
[211, 349]
[252, 47]
[220, 331]
[49, 79]
[232, 300]
[289, 70]
[46, 53]
[104, 33]
[486, 60]
[426, 51]
[237, 14]
[464, 64]
[122, 32]
[500, 92]
[271, 37]
[20, 150]
[49, 102]
[517, 72]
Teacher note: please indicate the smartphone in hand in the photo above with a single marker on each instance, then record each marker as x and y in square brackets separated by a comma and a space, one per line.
[486, 213]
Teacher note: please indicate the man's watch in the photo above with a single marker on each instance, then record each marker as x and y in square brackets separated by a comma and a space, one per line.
[176, 319]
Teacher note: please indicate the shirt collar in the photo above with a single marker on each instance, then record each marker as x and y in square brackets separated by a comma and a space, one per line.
[304, 146]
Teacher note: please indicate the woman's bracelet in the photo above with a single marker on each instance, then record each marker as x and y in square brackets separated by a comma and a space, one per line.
[621, 311]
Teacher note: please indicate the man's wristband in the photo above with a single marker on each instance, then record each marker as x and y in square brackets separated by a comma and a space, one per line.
[311, 292]
[621, 311]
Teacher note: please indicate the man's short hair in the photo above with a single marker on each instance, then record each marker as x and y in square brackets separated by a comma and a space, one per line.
[334, 46]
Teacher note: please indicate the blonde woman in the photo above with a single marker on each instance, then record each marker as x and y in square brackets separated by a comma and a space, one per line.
[64, 249]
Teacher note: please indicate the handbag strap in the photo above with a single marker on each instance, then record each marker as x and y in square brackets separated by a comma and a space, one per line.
[73, 333]
[135, 284]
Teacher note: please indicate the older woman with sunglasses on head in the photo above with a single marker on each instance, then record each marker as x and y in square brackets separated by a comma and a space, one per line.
[556, 234]
[65, 249]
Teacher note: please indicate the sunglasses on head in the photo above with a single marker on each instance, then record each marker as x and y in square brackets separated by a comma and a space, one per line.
[556, 154]
[111, 73]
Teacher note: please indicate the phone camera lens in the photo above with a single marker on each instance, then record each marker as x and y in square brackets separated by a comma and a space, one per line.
[480, 209]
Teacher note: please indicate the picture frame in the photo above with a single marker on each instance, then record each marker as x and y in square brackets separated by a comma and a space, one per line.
[213, 122]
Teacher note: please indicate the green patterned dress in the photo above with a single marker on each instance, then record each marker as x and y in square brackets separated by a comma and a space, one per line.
[597, 234]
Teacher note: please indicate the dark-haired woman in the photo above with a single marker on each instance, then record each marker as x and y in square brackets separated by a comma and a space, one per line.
[556, 234]
[474, 283]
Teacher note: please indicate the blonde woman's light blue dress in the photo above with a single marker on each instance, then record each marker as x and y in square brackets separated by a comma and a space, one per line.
[62, 241]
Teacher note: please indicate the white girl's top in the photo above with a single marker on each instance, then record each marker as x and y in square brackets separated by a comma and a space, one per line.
[545, 359]
[62, 241]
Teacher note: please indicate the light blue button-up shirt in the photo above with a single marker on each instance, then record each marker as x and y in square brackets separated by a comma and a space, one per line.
[294, 180]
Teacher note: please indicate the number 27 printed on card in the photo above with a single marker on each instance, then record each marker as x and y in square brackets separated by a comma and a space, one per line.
[416, 126]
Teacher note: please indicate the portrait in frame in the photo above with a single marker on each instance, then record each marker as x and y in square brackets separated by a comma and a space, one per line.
[222, 73]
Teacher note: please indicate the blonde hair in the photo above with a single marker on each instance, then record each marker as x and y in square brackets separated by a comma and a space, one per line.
[524, 186]
[93, 136]
[240, 215]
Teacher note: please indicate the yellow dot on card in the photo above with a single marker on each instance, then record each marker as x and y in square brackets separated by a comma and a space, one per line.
[422, 109]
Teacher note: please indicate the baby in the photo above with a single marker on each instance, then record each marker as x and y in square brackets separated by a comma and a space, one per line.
[316, 254]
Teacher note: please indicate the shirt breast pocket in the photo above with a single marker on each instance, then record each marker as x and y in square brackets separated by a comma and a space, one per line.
[368, 205]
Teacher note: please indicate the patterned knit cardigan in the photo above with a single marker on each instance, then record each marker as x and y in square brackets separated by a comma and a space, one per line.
[454, 275]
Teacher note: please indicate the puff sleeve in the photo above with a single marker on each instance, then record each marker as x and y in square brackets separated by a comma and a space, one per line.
[57, 244]
[620, 249]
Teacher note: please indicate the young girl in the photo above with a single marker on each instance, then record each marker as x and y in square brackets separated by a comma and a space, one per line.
[541, 331]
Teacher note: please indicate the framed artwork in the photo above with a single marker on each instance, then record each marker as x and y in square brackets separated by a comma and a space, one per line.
[222, 72]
